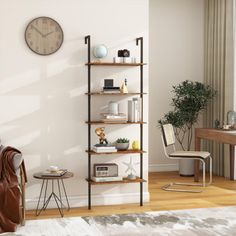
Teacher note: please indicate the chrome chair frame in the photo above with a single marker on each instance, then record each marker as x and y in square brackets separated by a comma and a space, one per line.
[168, 187]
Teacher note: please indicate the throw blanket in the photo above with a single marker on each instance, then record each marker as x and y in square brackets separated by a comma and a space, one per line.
[9, 192]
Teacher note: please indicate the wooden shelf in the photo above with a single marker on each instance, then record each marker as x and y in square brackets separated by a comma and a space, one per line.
[119, 94]
[129, 151]
[99, 122]
[124, 181]
[114, 64]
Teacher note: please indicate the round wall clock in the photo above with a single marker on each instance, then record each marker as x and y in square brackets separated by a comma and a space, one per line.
[44, 35]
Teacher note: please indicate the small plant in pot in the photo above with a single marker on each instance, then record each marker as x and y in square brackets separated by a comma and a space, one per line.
[122, 144]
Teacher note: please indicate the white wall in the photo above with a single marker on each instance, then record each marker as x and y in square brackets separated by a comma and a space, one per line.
[176, 43]
[43, 106]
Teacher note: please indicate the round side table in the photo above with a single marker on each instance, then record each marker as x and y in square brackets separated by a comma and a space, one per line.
[58, 199]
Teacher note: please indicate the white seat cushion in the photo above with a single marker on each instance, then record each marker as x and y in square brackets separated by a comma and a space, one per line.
[190, 154]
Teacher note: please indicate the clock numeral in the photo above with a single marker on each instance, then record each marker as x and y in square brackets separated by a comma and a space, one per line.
[59, 36]
[58, 43]
[29, 35]
[44, 21]
[36, 22]
[31, 43]
[44, 51]
[56, 29]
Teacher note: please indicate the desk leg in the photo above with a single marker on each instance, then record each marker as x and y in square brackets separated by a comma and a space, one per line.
[197, 162]
[231, 151]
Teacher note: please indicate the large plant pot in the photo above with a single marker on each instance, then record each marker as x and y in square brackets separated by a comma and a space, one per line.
[186, 167]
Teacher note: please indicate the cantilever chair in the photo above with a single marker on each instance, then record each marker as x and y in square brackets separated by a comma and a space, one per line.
[168, 140]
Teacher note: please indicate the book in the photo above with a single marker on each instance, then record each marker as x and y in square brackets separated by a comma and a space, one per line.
[111, 88]
[134, 110]
[57, 173]
[104, 150]
[107, 179]
[111, 91]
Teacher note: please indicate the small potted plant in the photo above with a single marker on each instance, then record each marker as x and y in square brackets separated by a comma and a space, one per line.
[122, 144]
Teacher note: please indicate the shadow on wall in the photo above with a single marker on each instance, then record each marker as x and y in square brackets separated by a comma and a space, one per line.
[44, 109]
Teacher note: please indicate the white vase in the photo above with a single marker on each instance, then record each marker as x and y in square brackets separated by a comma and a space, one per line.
[186, 167]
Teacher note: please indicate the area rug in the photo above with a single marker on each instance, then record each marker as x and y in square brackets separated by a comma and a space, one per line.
[194, 222]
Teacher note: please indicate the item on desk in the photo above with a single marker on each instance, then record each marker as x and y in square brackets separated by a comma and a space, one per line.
[134, 110]
[105, 170]
[106, 179]
[226, 126]
[124, 88]
[231, 118]
[57, 173]
[100, 132]
[217, 124]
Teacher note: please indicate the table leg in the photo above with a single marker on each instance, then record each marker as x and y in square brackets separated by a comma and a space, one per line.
[41, 190]
[231, 151]
[197, 162]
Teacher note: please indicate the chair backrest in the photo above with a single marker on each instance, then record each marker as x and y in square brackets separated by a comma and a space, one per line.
[168, 134]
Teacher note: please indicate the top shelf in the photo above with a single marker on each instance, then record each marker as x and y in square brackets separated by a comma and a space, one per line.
[114, 64]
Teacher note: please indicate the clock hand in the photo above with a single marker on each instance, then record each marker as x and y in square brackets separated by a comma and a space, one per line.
[45, 35]
[38, 31]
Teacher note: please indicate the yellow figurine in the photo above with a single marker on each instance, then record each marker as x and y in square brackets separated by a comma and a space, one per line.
[136, 145]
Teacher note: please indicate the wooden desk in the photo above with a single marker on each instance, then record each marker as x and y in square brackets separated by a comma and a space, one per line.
[228, 137]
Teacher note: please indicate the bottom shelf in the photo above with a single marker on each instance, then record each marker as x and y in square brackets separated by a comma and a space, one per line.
[124, 181]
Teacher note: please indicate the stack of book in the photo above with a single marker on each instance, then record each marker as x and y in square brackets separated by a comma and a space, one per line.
[111, 89]
[57, 173]
[100, 148]
[134, 110]
[109, 118]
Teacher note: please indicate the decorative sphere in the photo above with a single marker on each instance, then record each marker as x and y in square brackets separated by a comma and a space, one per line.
[100, 51]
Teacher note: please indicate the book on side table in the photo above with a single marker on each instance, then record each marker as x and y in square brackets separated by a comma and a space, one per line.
[57, 173]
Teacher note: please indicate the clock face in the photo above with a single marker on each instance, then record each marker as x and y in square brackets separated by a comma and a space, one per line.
[44, 36]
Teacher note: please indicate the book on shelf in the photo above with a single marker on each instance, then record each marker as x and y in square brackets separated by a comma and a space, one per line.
[121, 117]
[111, 91]
[134, 110]
[104, 148]
[107, 179]
[57, 173]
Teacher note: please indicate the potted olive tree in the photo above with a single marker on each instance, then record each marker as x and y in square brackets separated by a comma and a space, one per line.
[190, 99]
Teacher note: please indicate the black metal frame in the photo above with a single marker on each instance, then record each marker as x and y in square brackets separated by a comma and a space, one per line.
[139, 41]
[57, 199]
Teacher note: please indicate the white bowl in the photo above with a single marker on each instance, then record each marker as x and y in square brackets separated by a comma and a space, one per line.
[53, 168]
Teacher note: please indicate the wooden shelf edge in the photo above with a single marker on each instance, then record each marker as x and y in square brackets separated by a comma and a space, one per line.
[114, 64]
[114, 123]
[124, 181]
[130, 151]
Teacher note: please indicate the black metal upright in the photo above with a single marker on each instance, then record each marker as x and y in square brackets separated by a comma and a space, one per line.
[140, 41]
[88, 42]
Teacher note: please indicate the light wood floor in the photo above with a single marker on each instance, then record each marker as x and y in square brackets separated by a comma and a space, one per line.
[221, 193]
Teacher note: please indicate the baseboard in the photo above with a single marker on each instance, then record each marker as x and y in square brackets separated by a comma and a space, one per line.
[100, 199]
[163, 167]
